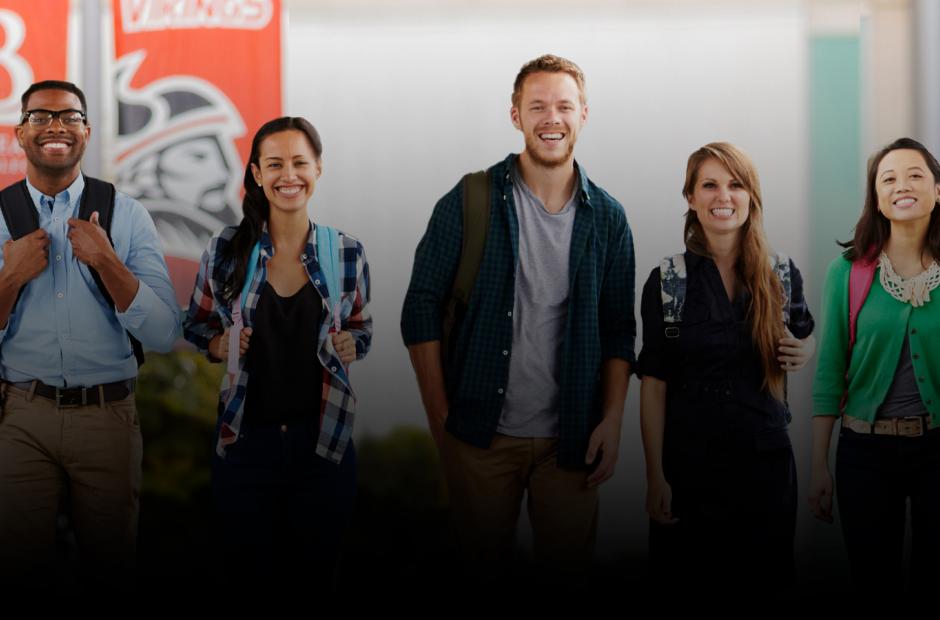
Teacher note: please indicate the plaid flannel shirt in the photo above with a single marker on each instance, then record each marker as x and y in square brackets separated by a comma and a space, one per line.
[600, 323]
[209, 315]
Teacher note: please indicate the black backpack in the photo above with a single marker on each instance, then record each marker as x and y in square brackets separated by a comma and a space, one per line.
[20, 215]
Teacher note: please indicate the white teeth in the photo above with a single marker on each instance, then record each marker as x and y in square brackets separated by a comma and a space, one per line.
[289, 191]
[55, 145]
[551, 136]
[904, 202]
[725, 212]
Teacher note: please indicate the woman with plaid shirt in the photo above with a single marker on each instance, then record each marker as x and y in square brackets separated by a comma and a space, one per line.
[284, 472]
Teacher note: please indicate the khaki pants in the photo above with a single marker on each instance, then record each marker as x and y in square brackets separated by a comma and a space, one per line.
[93, 453]
[486, 487]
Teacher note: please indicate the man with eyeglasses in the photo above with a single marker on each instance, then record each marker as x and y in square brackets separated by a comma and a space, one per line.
[69, 425]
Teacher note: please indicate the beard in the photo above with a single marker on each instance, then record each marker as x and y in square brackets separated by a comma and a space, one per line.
[560, 159]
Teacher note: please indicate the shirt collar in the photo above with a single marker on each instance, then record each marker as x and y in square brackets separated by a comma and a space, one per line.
[71, 194]
[267, 246]
[506, 166]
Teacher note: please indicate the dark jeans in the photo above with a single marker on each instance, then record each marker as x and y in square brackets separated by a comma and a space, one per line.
[736, 523]
[875, 475]
[283, 510]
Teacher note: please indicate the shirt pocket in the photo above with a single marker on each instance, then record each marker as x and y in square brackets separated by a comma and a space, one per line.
[697, 330]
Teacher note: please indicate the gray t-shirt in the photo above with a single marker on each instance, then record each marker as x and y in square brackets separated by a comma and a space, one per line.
[903, 398]
[540, 310]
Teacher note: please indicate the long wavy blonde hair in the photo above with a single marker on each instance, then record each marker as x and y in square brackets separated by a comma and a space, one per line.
[753, 266]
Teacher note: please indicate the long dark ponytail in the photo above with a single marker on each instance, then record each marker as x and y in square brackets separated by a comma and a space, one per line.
[255, 207]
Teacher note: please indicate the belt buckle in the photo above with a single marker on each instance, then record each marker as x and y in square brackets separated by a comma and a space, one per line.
[911, 427]
[63, 400]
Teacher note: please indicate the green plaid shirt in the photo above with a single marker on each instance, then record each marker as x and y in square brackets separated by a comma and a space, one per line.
[600, 323]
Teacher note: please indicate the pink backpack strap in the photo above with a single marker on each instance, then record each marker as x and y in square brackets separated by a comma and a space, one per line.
[860, 279]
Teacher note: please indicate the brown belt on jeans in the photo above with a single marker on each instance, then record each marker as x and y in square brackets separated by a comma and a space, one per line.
[914, 426]
[78, 396]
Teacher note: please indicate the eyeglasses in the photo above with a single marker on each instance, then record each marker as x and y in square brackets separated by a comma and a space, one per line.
[41, 118]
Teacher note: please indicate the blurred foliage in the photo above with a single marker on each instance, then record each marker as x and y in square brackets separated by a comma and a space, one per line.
[398, 531]
[177, 396]
[399, 535]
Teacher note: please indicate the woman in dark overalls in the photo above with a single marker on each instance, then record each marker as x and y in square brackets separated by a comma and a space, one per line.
[722, 325]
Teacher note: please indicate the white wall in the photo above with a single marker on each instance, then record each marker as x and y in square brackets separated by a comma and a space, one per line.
[408, 102]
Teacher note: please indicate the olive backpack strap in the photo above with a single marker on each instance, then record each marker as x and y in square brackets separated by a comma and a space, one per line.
[476, 219]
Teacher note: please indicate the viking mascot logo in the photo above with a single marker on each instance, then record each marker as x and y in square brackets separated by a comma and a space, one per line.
[175, 152]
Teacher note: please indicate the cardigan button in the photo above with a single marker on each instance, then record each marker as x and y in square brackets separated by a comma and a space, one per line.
[913, 330]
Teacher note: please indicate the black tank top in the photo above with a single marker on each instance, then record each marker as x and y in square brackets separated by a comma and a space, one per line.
[284, 374]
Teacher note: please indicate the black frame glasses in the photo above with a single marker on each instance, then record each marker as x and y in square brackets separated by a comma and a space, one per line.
[30, 117]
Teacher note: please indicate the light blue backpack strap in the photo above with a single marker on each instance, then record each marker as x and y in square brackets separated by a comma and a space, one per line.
[672, 281]
[328, 248]
[250, 272]
[781, 263]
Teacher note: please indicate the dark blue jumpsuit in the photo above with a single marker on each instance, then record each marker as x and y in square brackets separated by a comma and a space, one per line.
[726, 451]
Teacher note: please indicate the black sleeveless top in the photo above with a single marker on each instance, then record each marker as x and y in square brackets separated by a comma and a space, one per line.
[284, 374]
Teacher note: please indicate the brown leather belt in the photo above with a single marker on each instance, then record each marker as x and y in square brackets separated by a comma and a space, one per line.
[78, 396]
[914, 426]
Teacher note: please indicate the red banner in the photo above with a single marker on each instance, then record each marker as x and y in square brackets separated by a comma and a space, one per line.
[193, 80]
[33, 46]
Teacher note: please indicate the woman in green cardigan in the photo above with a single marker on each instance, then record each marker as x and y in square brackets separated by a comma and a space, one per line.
[887, 391]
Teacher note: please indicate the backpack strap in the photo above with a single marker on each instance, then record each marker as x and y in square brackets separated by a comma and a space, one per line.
[672, 280]
[672, 275]
[234, 334]
[19, 211]
[99, 196]
[20, 215]
[476, 221]
[781, 263]
[328, 249]
[861, 276]
[860, 279]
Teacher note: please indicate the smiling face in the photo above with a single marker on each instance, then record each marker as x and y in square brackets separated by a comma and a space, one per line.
[56, 149]
[719, 199]
[906, 189]
[287, 170]
[550, 115]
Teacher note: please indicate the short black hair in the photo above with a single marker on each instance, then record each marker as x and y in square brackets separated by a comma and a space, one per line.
[52, 85]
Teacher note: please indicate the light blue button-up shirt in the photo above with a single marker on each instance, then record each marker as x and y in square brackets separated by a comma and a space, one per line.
[62, 331]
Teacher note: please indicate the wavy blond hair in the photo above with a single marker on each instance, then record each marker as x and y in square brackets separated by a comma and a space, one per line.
[753, 265]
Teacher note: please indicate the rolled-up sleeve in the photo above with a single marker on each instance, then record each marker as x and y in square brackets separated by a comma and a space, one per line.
[202, 321]
[801, 322]
[617, 318]
[359, 323]
[153, 317]
[436, 260]
[653, 357]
